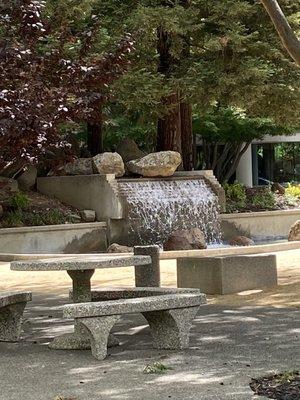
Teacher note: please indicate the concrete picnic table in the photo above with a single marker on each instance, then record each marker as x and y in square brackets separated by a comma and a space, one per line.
[81, 269]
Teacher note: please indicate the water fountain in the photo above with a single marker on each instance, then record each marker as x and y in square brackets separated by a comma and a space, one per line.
[144, 210]
[156, 208]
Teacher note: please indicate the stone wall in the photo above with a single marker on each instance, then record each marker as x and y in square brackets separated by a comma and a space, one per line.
[262, 225]
[67, 238]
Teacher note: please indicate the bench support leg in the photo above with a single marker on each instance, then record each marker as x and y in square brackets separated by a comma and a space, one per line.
[170, 329]
[10, 322]
[98, 329]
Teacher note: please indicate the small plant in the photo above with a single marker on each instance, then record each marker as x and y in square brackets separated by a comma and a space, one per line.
[54, 217]
[13, 219]
[264, 200]
[19, 201]
[293, 190]
[156, 368]
[235, 196]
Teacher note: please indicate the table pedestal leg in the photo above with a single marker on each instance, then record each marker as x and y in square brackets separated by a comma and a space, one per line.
[79, 339]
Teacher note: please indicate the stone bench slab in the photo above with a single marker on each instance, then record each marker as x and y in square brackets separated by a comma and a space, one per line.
[10, 298]
[169, 312]
[133, 305]
[12, 305]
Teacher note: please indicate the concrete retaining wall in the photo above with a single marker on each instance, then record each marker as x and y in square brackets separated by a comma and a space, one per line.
[68, 238]
[259, 225]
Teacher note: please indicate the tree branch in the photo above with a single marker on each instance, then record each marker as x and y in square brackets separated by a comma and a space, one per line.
[285, 32]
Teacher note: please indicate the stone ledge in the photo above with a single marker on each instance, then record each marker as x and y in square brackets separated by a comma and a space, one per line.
[51, 228]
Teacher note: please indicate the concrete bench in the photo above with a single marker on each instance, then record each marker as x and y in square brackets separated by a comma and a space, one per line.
[12, 306]
[169, 313]
[227, 274]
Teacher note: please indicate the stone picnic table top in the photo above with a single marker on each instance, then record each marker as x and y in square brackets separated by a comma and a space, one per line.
[81, 263]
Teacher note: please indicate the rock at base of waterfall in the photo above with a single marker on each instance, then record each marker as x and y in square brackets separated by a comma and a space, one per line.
[27, 179]
[129, 150]
[79, 166]
[294, 234]
[118, 248]
[163, 163]
[109, 163]
[186, 240]
[241, 241]
[88, 215]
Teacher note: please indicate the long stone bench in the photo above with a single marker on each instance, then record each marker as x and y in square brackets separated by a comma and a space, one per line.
[169, 312]
[12, 305]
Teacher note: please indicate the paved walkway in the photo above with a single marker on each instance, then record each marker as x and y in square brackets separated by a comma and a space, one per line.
[234, 338]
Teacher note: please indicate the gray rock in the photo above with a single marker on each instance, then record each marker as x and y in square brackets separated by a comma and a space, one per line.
[109, 163]
[164, 163]
[8, 187]
[27, 179]
[11, 311]
[88, 215]
[118, 248]
[80, 166]
[186, 240]
[129, 150]
[241, 241]
[294, 234]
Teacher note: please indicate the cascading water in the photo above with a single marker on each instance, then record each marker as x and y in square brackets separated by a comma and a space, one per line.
[156, 208]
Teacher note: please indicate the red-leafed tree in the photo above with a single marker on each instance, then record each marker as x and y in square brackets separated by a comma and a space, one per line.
[42, 86]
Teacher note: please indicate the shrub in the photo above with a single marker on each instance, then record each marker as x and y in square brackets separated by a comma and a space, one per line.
[19, 201]
[235, 197]
[264, 200]
[13, 219]
[293, 190]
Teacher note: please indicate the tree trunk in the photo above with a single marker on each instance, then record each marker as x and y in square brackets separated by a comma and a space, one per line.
[95, 138]
[285, 32]
[169, 127]
[187, 139]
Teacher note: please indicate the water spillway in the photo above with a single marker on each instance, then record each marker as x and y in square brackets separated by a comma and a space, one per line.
[156, 208]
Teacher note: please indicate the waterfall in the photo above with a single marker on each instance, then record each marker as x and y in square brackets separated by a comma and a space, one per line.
[156, 208]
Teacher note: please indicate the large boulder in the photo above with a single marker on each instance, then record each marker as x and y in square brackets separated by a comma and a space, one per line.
[8, 187]
[109, 163]
[27, 179]
[241, 241]
[79, 166]
[129, 150]
[118, 248]
[294, 234]
[186, 240]
[164, 163]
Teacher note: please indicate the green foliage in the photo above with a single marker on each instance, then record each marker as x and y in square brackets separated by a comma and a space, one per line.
[19, 201]
[228, 124]
[13, 219]
[235, 57]
[264, 200]
[22, 217]
[156, 368]
[235, 197]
